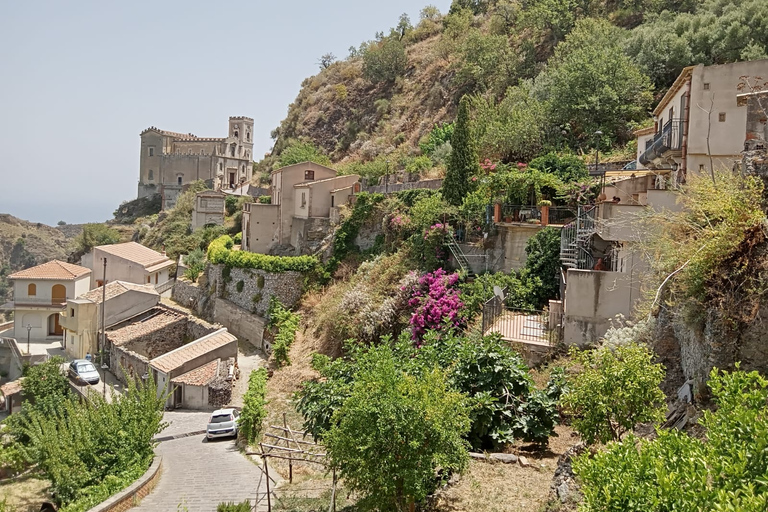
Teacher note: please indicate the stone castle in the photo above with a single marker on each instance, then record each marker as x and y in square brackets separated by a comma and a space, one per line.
[171, 160]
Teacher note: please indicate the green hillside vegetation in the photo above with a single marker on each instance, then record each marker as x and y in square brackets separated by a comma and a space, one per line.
[542, 75]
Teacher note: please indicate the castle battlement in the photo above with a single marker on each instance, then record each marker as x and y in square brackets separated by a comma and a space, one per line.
[244, 118]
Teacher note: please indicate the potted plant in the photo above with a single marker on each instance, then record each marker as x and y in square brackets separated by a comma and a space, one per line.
[544, 205]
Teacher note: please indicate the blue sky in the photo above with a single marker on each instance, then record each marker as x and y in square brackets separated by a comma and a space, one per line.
[81, 79]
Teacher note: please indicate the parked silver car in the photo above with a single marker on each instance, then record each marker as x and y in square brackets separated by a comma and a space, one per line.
[83, 370]
[223, 423]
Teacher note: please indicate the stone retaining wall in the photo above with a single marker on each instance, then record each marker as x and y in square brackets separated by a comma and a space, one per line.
[257, 287]
[131, 496]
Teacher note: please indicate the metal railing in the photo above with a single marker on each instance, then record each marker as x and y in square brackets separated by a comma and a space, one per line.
[576, 239]
[164, 287]
[519, 325]
[519, 213]
[562, 215]
[670, 138]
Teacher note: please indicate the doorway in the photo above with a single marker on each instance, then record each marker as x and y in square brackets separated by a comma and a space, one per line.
[54, 329]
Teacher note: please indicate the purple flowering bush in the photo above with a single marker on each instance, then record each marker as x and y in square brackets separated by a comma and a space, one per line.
[437, 304]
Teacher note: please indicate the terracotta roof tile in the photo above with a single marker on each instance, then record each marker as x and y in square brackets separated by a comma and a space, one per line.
[54, 270]
[175, 358]
[136, 253]
[200, 376]
[114, 289]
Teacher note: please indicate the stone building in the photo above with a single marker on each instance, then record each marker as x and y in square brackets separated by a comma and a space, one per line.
[171, 160]
[208, 209]
[130, 262]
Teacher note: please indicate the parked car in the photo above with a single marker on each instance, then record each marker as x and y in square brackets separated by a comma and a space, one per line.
[83, 370]
[223, 423]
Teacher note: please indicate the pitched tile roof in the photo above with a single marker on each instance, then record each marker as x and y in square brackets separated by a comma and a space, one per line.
[114, 289]
[136, 253]
[200, 376]
[175, 358]
[53, 270]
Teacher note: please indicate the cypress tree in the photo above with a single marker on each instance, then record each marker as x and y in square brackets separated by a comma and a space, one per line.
[463, 162]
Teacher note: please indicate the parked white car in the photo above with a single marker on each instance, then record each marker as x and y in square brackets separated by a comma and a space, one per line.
[223, 423]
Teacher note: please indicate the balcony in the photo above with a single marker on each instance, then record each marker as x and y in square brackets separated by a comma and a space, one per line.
[670, 138]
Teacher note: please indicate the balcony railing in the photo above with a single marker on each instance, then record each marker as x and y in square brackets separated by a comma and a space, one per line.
[670, 138]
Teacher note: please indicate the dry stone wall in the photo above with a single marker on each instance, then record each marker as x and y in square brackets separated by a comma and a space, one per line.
[251, 289]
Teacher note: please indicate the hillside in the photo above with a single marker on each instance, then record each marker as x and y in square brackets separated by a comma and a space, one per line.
[542, 74]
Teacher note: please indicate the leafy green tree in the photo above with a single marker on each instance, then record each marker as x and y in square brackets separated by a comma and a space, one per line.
[723, 471]
[542, 263]
[254, 406]
[384, 60]
[298, 151]
[195, 263]
[394, 431]
[485, 62]
[45, 386]
[513, 130]
[439, 135]
[463, 163]
[569, 168]
[591, 85]
[89, 451]
[476, 6]
[717, 32]
[614, 391]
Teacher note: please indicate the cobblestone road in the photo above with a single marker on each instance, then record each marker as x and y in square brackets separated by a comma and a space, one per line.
[198, 475]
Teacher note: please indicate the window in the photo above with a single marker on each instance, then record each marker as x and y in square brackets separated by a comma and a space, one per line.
[706, 86]
[303, 199]
[220, 166]
[99, 283]
[156, 276]
[309, 175]
[151, 175]
[332, 200]
[72, 312]
[701, 167]
[721, 117]
[32, 289]
[151, 151]
[178, 180]
[233, 149]
[149, 280]
[248, 135]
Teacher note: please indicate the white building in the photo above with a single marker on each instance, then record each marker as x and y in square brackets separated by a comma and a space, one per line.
[699, 117]
[130, 262]
[40, 293]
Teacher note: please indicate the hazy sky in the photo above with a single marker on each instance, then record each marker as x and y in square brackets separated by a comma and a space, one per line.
[81, 79]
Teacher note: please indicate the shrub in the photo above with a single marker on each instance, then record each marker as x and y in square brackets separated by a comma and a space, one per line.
[614, 391]
[439, 135]
[437, 304]
[385, 60]
[724, 471]
[286, 324]
[195, 262]
[234, 507]
[239, 286]
[542, 264]
[220, 253]
[394, 431]
[344, 237]
[254, 406]
[265, 199]
[92, 236]
[297, 152]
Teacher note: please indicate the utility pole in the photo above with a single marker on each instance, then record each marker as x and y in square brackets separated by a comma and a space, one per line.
[103, 323]
[29, 328]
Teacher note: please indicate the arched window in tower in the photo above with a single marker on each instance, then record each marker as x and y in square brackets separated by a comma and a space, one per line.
[248, 135]
[151, 175]
[178, 180]
[220, 166]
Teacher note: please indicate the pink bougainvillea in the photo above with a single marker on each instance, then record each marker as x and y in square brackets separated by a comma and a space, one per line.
[487, 165]
[436, 302]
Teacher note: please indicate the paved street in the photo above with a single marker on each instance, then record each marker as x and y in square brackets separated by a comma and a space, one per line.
[198, 475]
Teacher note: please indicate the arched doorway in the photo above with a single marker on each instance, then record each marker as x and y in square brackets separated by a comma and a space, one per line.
[54, 329]
[59, 293]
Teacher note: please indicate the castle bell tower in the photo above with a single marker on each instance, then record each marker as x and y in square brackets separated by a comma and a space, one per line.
[241, 128]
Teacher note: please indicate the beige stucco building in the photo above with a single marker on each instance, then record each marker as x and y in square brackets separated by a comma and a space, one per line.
[171, 160]
[40, 293]
[603, 268]
[130, 262]
[81, 319]
[301, 193]
[208, 209]
[701, 98]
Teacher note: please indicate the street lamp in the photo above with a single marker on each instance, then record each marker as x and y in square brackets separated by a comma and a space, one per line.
[386, 180]
[598, 134]
[29, 328]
